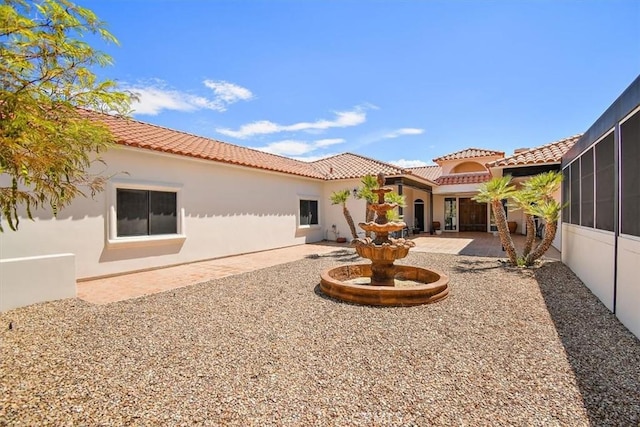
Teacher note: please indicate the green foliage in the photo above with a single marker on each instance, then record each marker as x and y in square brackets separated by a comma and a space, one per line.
[369, 182]
[393, 215]
[535, 198]
[498, 188]
[47, 142]
[339, 197]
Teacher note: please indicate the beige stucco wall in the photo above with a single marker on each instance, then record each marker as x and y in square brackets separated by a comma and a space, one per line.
[333, 213]
[628, 286]
[227, 210]
[30, 280]
[449, 165]
[590, 254]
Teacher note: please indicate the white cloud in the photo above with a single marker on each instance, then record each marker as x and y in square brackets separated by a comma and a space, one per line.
[343, 119]
[293, 148]
[228, 92]
[403, 131]
[409, 163]
[329, 141]
[287, 148]
[156, 96]
[313, 158]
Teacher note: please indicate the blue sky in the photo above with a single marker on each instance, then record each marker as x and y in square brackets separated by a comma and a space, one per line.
[399, 81]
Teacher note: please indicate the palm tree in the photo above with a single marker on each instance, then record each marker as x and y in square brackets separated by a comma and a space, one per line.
[393, 197]
[542, 187]
[340, 198]
[549, 211]
[369, 182]
[523, 199]
[494, 192]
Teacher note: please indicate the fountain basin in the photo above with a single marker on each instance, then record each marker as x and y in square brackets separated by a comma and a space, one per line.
[385, 253]
[414, 286]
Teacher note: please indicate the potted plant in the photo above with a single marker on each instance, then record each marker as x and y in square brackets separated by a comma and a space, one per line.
[513, 226]
[435, 225]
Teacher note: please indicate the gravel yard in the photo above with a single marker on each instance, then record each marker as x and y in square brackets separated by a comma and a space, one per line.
[508, 347]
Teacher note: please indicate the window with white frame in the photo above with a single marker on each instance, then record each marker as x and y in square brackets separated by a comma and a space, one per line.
[144, 211]
[308, 212]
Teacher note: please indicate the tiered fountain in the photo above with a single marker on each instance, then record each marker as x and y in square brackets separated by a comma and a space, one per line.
[382, 282]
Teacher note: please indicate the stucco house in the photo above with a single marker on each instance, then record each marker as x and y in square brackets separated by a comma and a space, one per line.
[175, 197]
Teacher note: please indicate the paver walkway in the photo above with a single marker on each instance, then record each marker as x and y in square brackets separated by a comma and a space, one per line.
[133, 285]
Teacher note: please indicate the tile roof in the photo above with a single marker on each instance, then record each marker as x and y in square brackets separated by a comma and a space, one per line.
[133, 133]
[349, 165]
[427, 172]
[549, 153]
[464, 178]
[469, 153]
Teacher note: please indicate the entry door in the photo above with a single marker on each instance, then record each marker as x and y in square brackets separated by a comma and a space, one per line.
[473, 215]
[418, 209]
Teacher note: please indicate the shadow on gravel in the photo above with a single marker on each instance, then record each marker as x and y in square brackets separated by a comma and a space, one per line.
[476, 266]
[604, 355]
[342, 255]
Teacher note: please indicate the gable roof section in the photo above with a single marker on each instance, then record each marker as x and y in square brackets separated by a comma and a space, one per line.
[133, 133]
[349, 165]
[432, 173]
[549, 153]
[464, 178]
[469, 153]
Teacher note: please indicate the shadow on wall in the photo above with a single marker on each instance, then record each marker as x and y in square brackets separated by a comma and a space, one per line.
[125, 253]
[604, 355]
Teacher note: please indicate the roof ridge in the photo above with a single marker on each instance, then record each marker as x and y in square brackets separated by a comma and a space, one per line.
[467, 173]
[425, 166]
[540, 147]
[451, 156]
[504, 161]
[197, 136]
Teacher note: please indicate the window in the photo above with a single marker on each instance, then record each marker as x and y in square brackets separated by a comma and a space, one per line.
[308, 212]
[630, 176]
[450, 213]
[605, 183]
[145, 212]
[586, 189]
[575, 192]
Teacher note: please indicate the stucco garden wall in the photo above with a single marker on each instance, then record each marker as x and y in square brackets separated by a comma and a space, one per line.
[628, 285]
[227, 210]
[30, 280]
[590, 254]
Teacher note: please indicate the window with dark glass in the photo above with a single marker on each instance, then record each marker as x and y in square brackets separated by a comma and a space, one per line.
[586, 189]
[575, 192]
[308, 212]
[146, 213]
[605, 183]
[630, 176]
[566, 200]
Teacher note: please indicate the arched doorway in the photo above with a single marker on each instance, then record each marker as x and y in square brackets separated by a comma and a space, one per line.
[418, 213]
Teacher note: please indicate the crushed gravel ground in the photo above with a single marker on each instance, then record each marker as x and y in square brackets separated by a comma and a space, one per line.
[508, 347]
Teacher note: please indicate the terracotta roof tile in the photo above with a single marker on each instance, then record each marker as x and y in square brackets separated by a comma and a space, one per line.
[464, 178]
[138, 134]
[469, 153]
[349, 165]
[549, 153]
[432, 173]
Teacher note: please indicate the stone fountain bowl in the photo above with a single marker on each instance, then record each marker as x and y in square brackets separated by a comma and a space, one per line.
[414, 286]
